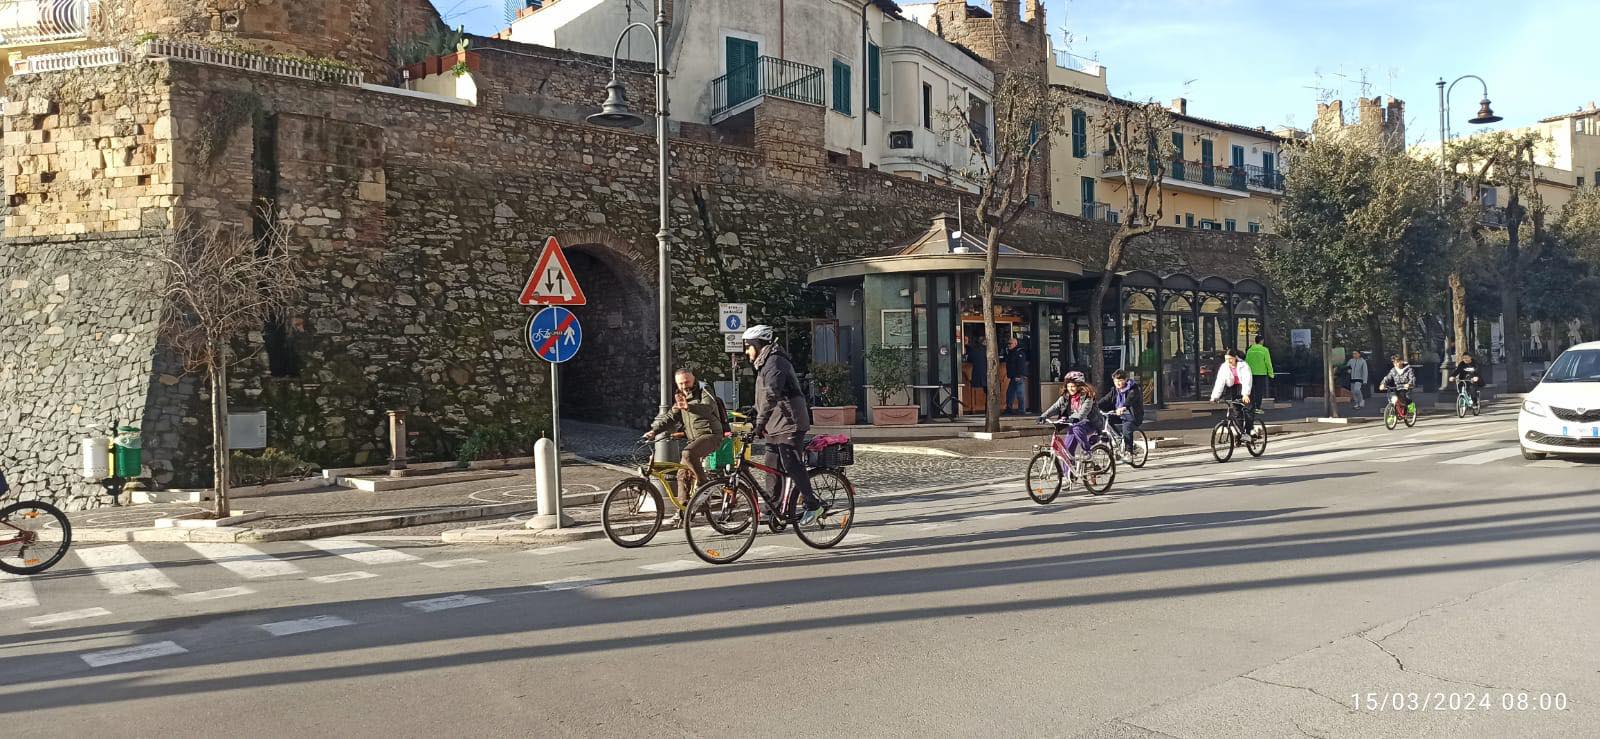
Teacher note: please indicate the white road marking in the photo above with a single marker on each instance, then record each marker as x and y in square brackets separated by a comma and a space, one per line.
[64, 616]
[122, 571]
[853, 536]
[213, 594]
[364, 553]
[1455, 447]
[132, 654]
[16, 591]
[770, 550]
[993, 516]
[461, 600]
[303, 625]
[934, 526]
[442, 564]
[677, 565]
[1486, 457]
[569, 583]
[551, 550]
[343, 577]
[247, 562]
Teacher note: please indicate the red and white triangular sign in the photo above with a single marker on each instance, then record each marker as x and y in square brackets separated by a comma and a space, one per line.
[552, 281]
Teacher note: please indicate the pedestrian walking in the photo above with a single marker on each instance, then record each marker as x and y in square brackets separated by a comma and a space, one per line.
[1357, 367]
[1259, 357]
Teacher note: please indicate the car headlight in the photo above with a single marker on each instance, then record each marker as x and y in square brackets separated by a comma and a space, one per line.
[1534, 407]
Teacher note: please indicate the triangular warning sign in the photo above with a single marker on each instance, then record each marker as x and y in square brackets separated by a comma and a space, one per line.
[552, 281]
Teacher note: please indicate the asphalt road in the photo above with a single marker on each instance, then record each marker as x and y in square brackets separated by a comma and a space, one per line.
[1422, 582]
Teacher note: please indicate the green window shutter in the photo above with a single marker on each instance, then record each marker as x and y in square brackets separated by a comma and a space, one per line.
[1080, 134]
[841, 87]
[874, 80]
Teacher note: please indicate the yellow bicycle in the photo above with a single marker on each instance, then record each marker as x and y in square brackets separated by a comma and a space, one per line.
[634, 510]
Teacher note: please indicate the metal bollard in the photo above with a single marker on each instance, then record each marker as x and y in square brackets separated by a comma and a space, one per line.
[397, 443]
[547, 483]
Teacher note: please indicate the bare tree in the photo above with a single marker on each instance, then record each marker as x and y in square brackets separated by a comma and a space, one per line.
[1139, 146]
[219, 283]
[1027, 113]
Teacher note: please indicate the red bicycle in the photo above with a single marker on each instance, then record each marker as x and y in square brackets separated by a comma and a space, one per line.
[25, 547]
[724, 515]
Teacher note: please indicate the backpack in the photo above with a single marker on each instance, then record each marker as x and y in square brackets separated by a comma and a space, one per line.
[722, 409]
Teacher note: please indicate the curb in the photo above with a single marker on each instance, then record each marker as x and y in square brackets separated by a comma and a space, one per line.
[924, 451]
[522, 535]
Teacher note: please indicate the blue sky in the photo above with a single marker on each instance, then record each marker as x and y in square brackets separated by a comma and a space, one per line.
[1265, 62]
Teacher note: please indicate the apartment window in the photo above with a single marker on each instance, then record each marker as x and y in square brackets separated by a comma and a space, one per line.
[1209, 225]
[1255, 228]
[1238, 157]
[874, 80]
[1269, 164]
[841, 87]
[1596, 180]
[978, 114]
[1580, 180]
[927, 106]
[1080, 134]
[1188, 220]
[1228, 224]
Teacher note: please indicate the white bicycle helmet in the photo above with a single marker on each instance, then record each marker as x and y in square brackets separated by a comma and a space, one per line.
[758, 332]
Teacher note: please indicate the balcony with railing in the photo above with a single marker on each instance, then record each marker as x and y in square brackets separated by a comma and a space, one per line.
[24, 22]
[1492, 216]
[1196, 176]
[1265, 179]
[1101, 212]
[767, 77]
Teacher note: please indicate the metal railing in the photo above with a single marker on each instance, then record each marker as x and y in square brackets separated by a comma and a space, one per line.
[770, 77]
[1267, 179]
[80, 59]
[1490, 215]
[302, 69]
[1101, 212]
[43, 21]
[1198, 173]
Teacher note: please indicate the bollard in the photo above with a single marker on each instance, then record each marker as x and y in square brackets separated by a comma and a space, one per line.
[397, 443]
[547, 483]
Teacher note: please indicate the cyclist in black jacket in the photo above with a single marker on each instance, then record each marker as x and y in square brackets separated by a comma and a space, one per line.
[1466, 371]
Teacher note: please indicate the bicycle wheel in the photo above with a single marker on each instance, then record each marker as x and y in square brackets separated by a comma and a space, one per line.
[28, 541]
[1222, 441]
[1411, 418]
[720, 523]
[727, 487]
[1257, 443]
[1099, 468]
[1044, 478]
[1477, 406]
[631, 513]
[1141, 450]
[1390, 420]
[838, 510]
[1461, 406]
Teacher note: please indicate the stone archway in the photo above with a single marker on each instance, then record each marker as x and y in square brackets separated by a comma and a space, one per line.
[612, 380]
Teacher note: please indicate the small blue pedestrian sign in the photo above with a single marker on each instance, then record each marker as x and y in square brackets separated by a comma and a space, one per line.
[733, 324]
[554, 334]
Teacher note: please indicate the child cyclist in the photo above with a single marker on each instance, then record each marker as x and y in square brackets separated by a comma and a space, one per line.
[1077, 405]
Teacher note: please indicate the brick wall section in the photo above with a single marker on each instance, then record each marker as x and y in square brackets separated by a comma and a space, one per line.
[552, 83]
[88, 153]
[359, 32]
[790, 133]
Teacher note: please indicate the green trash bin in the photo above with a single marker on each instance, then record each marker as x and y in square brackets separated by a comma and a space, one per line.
[127, 453]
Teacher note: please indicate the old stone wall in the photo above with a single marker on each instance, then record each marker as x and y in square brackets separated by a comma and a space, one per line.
[421, 219]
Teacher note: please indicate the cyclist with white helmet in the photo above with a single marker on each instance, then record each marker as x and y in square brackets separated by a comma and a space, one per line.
[782, 416]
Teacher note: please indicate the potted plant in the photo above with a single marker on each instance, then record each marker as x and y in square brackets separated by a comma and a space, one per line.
[836, 396]
[889, 372]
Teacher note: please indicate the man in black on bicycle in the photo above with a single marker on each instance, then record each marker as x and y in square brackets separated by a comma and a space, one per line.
[1466, 375]
[782, 416]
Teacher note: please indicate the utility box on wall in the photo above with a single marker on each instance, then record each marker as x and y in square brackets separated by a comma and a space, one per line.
[247, 430]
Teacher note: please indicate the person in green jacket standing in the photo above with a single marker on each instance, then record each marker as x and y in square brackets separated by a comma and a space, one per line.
[1260, 360]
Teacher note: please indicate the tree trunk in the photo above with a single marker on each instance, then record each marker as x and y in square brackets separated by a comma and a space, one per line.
[1405, 339]
[1327, 369]
[220, 469]
[1375, 335]
[991, 261]
[1510, 300]
[1097, 330]
[1458, 313]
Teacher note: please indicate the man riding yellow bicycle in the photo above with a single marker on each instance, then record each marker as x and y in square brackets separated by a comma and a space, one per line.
[696, 412]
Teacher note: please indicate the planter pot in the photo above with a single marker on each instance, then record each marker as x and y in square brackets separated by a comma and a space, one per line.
[894, 415]
[844, 415]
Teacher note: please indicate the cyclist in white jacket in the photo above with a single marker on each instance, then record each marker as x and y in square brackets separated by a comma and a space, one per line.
[1235, 382]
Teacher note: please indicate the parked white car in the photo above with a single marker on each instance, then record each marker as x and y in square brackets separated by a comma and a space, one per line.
[1562, 414]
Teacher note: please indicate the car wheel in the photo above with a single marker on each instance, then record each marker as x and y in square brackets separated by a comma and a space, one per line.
[1531, 455]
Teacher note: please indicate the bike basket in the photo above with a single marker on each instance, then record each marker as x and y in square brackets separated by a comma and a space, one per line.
[833, 456]
[722, 457]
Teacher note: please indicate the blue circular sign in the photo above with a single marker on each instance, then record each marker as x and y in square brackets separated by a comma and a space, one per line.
[733, 323]
[555, 334]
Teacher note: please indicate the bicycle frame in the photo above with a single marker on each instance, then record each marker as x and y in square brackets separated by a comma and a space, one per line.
[784, 503]
[1058, 447]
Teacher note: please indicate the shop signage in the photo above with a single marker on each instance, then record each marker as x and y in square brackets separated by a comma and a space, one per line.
[1017, 288]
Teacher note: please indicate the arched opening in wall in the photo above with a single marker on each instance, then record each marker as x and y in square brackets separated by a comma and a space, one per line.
[612, 380]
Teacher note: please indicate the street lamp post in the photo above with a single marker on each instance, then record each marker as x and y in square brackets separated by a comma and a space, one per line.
[614, 113]
[1485, 115]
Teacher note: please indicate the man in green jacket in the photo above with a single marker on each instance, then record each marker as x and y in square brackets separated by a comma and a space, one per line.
[1260, 360]
[693, 411]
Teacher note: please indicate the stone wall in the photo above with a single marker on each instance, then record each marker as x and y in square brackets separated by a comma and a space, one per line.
[363, 33]
[421, 220]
